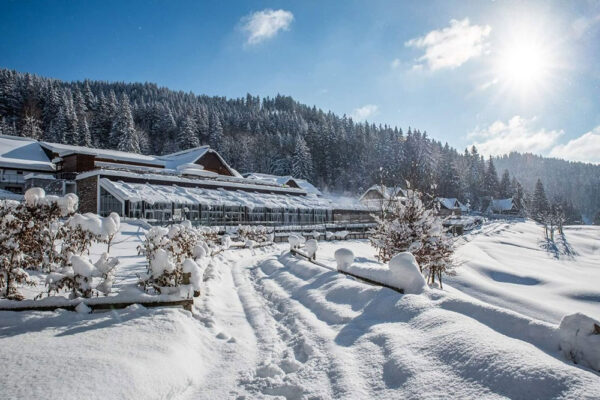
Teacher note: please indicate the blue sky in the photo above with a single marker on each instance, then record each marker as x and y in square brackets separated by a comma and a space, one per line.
[506, 75]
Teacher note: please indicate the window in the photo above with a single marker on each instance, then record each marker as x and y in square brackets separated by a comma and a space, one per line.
[109, 203]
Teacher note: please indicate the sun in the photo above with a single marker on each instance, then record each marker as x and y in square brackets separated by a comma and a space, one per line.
[525, 63]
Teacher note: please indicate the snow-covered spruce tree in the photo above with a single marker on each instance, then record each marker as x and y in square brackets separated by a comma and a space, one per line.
[302, 160]
[539, 203]
[187, 136]
[407, 225]
[123, 134]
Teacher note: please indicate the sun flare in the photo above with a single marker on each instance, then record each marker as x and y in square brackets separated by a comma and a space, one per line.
[525, 65]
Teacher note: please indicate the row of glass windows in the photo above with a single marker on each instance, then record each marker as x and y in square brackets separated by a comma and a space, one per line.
[210, 214]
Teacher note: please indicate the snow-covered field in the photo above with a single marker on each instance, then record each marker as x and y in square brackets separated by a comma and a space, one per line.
[268, 324]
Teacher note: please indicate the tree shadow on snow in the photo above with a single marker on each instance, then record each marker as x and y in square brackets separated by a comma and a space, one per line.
[14, 323]
[382, 309]
[558, 247]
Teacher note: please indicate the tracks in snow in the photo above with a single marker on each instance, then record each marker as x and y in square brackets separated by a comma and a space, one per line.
[295, 359]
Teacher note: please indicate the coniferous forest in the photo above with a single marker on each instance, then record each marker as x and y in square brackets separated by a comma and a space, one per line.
[281, 136]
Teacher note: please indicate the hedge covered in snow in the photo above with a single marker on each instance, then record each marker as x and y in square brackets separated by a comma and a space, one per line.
[44, 233]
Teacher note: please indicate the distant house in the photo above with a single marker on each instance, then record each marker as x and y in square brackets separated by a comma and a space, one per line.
[377, 196]
[450, 205]
[503, 206]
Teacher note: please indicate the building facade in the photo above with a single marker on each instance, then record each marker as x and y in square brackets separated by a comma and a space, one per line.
[195, 184]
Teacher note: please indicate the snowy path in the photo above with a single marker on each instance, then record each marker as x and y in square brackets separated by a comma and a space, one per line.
[317, 334]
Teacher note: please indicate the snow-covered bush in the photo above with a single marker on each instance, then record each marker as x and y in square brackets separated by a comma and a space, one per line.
[170, 253]
[408, 226]
[79, 232]
[310, 248]
[315, 234]
[580, 340]
[192, 275]
[256, 233]
[44, 233]
[105, 268]
[405, 273]
[344, 258]
[79, 276]
[28, 235]
[110, 227]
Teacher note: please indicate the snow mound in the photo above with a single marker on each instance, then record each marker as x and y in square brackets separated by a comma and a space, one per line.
[161, 263]
[580, 339]
[34, 195]
[344, 258]
[192, 268]
[405, 273]
[311, 247]
[199, 251]
[82, 267]
[88, 222]
[82, 308]
[294, 241]
[111, 224]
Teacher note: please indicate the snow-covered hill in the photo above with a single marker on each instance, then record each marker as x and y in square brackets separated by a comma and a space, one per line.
[269, 324]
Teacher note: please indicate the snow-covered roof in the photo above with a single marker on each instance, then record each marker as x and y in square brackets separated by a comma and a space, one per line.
[283, 180]
[169, 161]
[66, 149]
[152, 193]
[216, 182]
[386, 192]
[498, 205]
[19, 152]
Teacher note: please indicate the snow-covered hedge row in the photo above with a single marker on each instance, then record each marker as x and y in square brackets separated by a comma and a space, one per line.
[44, 233]
[255, 233]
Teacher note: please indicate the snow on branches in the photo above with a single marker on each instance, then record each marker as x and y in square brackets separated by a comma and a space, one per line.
[44, 233]
[407, 225]
[176, 256]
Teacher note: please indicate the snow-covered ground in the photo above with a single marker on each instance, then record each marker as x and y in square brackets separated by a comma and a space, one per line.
[268, 324]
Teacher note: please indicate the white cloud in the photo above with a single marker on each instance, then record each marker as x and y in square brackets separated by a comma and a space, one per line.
[364, 112]
[265, 24]
[395, 63]
[518, 134]
[585, 148]
[452, 46]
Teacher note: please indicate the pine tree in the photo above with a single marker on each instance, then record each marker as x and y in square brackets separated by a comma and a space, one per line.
[186, 137]
[505, 190]
[448, 176]
[85, 139]
[491, 180]
[301, 161]
[215, 132]
[123, 129]
[31, 128]
[539, 204]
